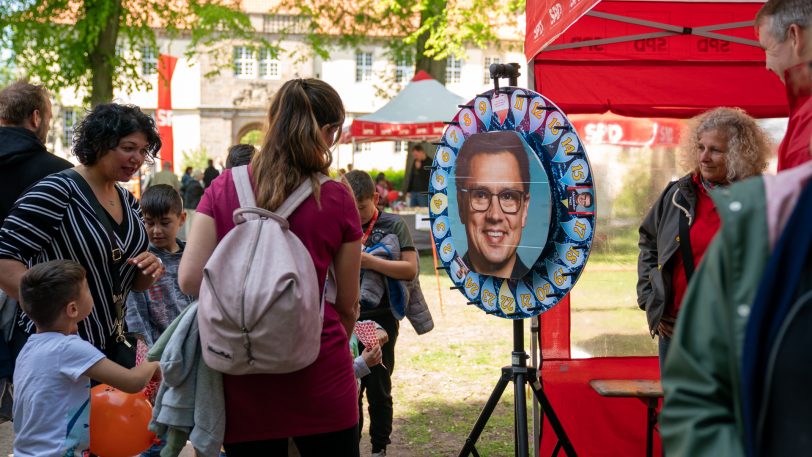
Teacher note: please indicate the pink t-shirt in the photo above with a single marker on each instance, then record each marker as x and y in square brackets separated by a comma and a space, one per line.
[321, 398]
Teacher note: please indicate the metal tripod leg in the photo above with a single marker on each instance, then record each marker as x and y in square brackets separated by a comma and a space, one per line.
[520, 374]
[520, 413]
[547, 408]
[470, 442]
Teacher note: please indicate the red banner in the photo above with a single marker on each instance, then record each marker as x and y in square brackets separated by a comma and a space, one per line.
[367, 131]
[626, 131]
[163, 114]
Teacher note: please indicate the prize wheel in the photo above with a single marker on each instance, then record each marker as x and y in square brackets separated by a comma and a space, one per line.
[512, 203]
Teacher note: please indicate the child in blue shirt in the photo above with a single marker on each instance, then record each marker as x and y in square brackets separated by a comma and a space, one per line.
[54, 369]
[151, 311]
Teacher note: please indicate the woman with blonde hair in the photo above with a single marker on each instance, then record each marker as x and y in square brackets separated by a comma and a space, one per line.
[723, 145]
[318, 405]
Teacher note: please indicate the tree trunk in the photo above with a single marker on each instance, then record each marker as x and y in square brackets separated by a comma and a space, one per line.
[436, 68]
[102, 55]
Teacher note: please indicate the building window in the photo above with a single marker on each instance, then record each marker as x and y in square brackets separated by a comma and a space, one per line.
[486, 75]
[268, 65]
[282, 23]
[245, 60]
[362, 147]
[70, 117]
[453, 70]
[149, 61]
[363, 66]
[404, 71]
[401, 147]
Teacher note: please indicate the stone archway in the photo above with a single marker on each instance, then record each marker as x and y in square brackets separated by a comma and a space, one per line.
[250, 132]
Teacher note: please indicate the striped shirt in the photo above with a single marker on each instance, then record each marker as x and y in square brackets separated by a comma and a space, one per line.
[54, 220]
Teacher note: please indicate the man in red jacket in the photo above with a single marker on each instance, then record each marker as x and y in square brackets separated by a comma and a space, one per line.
[784, 29]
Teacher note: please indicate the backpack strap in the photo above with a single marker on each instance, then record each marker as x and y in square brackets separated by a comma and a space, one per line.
[298, 196]
[245, 192]
[243, 184]
[685, 243]
[293, 201]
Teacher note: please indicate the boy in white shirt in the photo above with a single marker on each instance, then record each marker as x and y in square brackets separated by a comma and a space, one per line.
[53, 371]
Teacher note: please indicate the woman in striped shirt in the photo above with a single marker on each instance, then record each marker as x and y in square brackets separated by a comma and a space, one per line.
[60, 218]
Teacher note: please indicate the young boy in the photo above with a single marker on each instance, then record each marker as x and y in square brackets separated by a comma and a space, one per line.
[151, 311]
[54, 368]
[376, 225]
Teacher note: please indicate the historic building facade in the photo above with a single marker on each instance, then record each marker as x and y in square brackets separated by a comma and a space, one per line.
[210, 113]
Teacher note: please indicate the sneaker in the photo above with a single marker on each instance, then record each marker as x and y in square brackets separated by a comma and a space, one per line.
[381, 453]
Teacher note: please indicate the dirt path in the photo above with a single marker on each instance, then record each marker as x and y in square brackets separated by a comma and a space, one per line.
[444, 377]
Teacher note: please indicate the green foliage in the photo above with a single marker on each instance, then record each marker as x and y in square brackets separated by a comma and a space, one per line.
[412, 29]
[95, 45]
[6, 71]
[395, 177]
[198, 159]
[253, 137]
[635, 197]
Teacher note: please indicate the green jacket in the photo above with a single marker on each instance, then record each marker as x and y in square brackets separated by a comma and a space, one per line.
[702, 411]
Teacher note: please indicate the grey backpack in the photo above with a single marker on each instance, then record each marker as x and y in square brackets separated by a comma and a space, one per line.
[259, 309]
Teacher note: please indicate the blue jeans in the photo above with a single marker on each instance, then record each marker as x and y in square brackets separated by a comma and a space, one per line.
[153, 451]
[664, 343]
[417, 199]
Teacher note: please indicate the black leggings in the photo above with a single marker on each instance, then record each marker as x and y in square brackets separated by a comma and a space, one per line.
[343, 443]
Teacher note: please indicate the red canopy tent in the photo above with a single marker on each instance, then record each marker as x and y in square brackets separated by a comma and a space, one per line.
[647, 58]
[650, 58]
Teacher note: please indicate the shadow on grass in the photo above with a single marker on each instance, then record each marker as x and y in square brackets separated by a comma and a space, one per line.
[618, 345]
[440, 428]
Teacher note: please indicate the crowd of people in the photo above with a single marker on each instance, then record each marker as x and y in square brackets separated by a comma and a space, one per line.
[89, 274]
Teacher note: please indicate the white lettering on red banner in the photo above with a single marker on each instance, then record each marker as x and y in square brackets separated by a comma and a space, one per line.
[603, 133]
[538, 30]
[163, 117]
[555, 13]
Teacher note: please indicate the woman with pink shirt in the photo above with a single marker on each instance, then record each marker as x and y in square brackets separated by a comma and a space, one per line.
[318, 405]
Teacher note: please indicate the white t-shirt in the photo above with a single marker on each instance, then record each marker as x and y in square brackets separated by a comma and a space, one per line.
[52, 397]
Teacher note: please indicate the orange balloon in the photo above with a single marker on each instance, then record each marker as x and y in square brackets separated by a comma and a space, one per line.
[118, 422]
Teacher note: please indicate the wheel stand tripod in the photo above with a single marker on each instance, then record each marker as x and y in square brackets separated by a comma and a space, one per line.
[519, 373]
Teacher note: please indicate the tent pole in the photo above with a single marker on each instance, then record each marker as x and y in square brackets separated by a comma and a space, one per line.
[534, 335]
[667, 30]
[535, 321]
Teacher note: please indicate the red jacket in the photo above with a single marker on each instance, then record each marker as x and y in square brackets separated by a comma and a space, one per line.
[794, 149]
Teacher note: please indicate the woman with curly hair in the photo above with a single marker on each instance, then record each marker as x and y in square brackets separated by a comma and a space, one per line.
[83, 214]
[723, 145]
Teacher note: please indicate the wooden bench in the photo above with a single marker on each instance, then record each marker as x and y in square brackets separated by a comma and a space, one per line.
[649, 391]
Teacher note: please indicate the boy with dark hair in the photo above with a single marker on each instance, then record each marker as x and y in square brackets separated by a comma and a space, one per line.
[376, 225]
[151, 311]
[240, 154]
[54, 368]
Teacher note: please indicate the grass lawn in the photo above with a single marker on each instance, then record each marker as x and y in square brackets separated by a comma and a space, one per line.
[443, 378]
